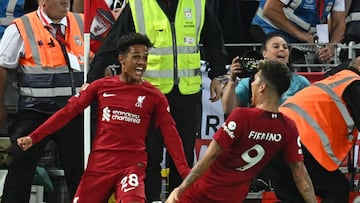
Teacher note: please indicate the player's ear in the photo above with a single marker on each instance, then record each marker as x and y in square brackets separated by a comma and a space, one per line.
[121, 59]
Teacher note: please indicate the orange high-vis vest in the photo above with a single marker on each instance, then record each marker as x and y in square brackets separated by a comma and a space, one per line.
[324, 123]
[45, 79]
[41, 47]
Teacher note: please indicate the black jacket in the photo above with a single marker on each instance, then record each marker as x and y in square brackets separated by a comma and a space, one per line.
[351, 94]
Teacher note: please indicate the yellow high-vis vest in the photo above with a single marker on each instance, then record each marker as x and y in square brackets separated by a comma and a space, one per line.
[175, 57]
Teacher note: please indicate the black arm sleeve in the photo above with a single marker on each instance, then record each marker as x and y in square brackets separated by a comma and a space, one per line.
[351, 97]
[212, 39]
[107, 54]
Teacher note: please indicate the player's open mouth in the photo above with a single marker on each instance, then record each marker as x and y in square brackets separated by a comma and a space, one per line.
[139, 70]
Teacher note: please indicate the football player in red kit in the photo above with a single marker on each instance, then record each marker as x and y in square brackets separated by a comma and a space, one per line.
[245, 143]
[126, 107]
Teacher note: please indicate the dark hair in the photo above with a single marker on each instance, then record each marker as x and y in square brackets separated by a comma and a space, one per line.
[130, 39]
[277, 75]
[269, 36]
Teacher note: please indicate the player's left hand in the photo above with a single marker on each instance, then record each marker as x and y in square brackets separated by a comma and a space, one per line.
[215, 90]
[24, 142]
[173, 197]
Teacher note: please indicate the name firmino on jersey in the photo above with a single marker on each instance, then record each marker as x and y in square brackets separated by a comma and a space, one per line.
[276, 137]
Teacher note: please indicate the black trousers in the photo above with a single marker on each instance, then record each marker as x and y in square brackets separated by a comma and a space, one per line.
[22, 167]
[186, 111]
[330, 186]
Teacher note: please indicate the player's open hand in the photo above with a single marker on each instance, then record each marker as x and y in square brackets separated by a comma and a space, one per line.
[173, 197]
[24, 142]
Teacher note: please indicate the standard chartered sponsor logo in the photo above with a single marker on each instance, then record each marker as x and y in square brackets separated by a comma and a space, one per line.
[120, 116]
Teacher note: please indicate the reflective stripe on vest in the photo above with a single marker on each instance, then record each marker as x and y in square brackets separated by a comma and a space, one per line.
[40, 70]
[341, 107]
[10, 9]
[355, 16]
[324, 139]
[320, 136]
[173, 60]
[46, 92]
[34, 46]
[30, 35]
[44, 78]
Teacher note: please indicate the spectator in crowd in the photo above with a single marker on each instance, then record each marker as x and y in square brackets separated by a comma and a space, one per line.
[175, 28]
[353, 21]
[49, 70]
[352, 33]
[298, 21]
[127, 105]
[246, 142]
[237, 93]
[327, 128]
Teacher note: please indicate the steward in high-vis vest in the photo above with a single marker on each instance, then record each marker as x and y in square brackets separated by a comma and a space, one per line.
[324, 122]
[327, 116]
[175, 58]
[46, 50]
[47, 73]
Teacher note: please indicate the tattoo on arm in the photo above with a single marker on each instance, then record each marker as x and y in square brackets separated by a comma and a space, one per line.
[303, 182]
[200, 167]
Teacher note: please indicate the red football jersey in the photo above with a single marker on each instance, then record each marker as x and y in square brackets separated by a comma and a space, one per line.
[249, 138]
[124, 114]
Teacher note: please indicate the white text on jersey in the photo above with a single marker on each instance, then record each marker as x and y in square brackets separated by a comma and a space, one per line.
[276, 137]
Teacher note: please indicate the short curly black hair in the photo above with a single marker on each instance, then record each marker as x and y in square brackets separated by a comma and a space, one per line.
[276, 74]
[130, 39]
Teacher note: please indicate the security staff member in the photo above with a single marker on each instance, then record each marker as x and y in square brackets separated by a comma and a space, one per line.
[46, 49]
[328, 128]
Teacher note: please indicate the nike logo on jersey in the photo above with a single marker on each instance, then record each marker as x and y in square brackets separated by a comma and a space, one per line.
[128, 189]
[108, 95]
[76, 199]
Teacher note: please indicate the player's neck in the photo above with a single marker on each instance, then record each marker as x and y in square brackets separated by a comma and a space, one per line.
[268, 104]
[130, 80]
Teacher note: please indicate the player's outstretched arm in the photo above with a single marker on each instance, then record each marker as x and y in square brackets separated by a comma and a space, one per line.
[200, 167]
[24, 142]
[303, 181]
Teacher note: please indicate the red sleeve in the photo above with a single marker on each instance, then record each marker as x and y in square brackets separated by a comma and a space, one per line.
[175, 148]
[292, 151]
[172, 139]
[75, 106]
[232, 128]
